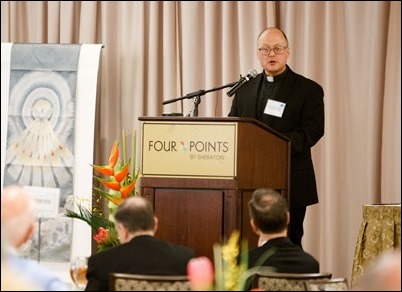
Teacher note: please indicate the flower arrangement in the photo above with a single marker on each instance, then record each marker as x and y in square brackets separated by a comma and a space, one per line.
[116, 184]
[230, 271]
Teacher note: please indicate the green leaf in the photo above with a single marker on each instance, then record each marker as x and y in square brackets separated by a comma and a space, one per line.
[93, 220]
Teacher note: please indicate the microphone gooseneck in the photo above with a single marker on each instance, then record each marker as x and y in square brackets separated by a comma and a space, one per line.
[243, 80]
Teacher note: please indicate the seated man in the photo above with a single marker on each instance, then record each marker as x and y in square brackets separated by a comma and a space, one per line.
[140, 252]
[17, 219]
[269, 220]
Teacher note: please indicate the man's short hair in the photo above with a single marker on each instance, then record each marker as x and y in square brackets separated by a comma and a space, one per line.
[136, 214]
[269, 210]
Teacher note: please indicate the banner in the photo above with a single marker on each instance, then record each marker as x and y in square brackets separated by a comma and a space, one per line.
[48, 117]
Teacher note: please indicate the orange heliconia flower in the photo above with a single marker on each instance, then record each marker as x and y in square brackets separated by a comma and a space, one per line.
[110, 183]
[114, 182]
[114, 154]
[112, 198]
[126, 190]
[118, 177]
[105, 170]
[122, 173]
[117, 201]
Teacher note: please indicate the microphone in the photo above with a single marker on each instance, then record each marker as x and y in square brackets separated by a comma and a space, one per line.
[243, 80]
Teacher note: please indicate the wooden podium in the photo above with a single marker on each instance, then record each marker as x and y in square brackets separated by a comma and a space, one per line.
[199, 174]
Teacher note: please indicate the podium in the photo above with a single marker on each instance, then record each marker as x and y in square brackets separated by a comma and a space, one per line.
[199, 173]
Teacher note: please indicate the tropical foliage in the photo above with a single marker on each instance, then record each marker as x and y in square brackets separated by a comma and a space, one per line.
[115, 184]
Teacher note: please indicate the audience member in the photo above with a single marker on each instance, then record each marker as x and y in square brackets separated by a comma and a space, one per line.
[140, 252]
[269, 220]
[17, 219]
[383, 275]
[11, 281]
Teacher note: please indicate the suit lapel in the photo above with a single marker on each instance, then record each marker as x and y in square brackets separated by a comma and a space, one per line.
[286, 87]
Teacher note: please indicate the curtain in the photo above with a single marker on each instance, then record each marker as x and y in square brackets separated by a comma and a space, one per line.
[159, 50]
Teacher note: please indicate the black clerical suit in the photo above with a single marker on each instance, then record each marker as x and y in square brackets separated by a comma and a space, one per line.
[302, 121]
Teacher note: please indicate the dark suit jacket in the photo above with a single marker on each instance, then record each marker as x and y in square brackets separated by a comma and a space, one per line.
[287, 257]
[302, 121]
[145, 255]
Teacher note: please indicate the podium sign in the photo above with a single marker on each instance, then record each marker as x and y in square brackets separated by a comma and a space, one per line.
[188, 149]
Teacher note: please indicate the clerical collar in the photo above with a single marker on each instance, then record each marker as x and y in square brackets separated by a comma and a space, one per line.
[277, 77]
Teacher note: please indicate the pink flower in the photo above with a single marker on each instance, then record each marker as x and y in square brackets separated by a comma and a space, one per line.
[102, 235]
[200, 273]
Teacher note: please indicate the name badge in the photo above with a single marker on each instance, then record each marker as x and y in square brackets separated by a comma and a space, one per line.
[274, 108]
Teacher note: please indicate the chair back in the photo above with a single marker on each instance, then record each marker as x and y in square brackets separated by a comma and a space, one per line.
[267, 280]
[134, 282]
[336, 284]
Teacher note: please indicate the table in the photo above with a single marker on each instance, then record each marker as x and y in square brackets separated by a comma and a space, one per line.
[379, 231]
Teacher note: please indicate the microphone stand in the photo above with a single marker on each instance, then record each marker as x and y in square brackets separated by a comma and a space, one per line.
[196, 95]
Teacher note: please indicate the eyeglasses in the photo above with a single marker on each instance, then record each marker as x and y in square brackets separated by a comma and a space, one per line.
[277, 50]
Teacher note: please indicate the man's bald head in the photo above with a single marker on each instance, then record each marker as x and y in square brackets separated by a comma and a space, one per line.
[17, 215]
